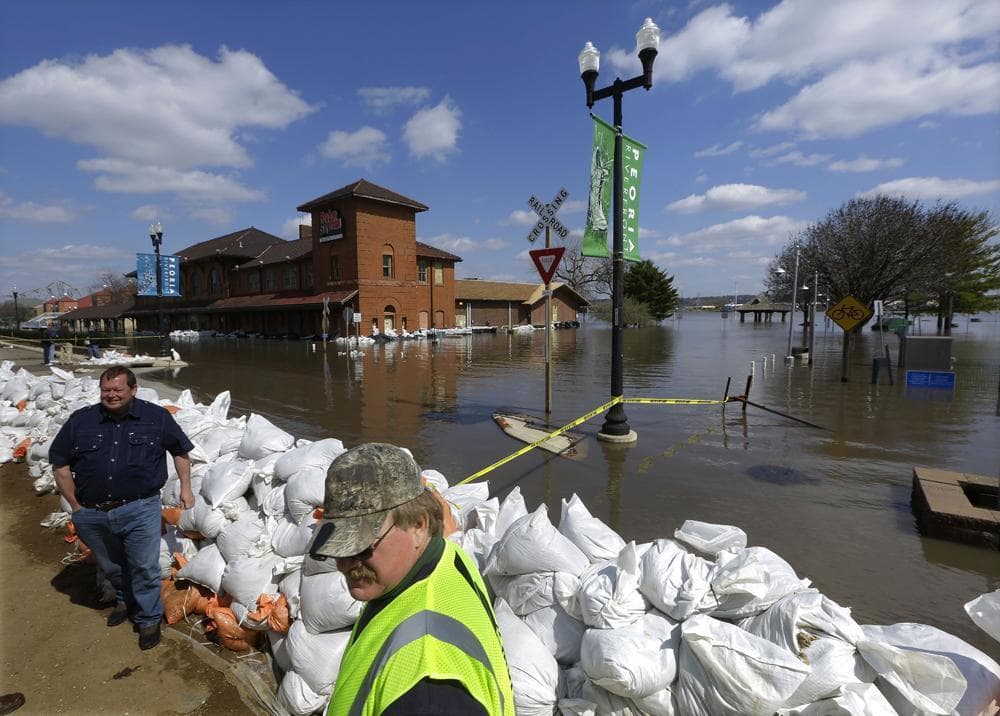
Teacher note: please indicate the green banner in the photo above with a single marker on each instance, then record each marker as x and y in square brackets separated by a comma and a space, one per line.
[602, 159]
[595, 233]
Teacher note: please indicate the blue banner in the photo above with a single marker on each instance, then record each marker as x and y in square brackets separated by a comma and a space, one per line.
[145, 275]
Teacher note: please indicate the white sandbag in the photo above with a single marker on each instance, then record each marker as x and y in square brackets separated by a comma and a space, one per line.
[674, 580]
[481, 515]
[933, 669]
[316, 657]
[173, 542]
[205, 568]
[561, 633]
[326, 604]
[246, 537]
[534, 672]
[274, 505]
[171, 492]
[710, 538]
[833, 663]
[15, 391]
[661, 703]
[225, 481]
[984, 610]
[296, 696]
[318, 455]
[147, 394]
[635, 660]
[212, 440]
[434, 479]
[262, 437]
[219, 409]
[609, 593]
[290, 585]
[209, 522]
[477, 544]
[807, 612]
[594, 538]
[290, 538]
[465, 498]
[524, 593]
[304, 492]
[279, 649]
[725, 670]
[265, 466]
[532, 544]
[749, 582]
[512, 509]
[607, 703]
[246, 578]
[851, 700]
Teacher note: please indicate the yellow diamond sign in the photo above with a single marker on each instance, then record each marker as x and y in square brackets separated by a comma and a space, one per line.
[848, 313]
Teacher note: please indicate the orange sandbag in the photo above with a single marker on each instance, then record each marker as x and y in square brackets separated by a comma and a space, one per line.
[70, 536]
[178, 599]
[279, 619]
[171, 515]
[318, 513]
[223, 628]
[449, 519]
[172, 409]
[21, 449]
[22, 405]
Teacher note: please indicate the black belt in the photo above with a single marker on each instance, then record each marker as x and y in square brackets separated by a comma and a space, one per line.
[109, 505]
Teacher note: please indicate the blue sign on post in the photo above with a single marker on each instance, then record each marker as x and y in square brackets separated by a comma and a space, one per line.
[145, 274]
[930, 379]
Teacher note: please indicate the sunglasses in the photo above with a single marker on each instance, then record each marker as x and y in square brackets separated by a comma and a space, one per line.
[369, 551]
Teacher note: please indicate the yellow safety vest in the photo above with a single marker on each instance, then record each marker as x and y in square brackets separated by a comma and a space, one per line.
[442, 627]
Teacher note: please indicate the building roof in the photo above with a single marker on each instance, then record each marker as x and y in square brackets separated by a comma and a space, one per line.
[242, 244]
[265, 301]
[530, 293]
[106, 311]
[279, 253]
[429, 251]
[363, 189]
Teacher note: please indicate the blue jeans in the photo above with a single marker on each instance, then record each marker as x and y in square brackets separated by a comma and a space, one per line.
[93, 350]
[126, 545]
[50, 353]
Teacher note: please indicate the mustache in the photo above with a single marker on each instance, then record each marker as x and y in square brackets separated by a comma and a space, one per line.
[360, 572]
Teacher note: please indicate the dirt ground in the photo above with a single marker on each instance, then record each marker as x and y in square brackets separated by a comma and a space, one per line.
[54, 645]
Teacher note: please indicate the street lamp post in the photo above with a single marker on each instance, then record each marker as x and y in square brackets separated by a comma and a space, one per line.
[156, 236]
[789, 358]
[647, 40]
[17, 314]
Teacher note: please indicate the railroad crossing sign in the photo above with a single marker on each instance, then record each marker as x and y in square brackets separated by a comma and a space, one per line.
[547, 215]
[547, 261]
[848, 313]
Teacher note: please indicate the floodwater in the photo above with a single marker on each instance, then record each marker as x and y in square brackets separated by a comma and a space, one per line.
[834, 502]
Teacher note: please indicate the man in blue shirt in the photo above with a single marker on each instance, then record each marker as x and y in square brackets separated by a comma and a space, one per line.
[109, 465]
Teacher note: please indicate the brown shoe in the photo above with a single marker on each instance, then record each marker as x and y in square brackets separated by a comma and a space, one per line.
[9, 703]
[118, 615]
[149, 636]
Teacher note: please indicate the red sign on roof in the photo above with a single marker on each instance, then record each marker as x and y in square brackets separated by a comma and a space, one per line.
[546, 261]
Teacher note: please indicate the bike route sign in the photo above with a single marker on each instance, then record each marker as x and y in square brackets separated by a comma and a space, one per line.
[848, 313]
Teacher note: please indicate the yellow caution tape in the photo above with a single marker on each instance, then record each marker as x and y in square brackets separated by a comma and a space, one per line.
[526, 448]
[672, 401]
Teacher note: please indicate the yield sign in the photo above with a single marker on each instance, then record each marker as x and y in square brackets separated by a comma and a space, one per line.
[546, 261]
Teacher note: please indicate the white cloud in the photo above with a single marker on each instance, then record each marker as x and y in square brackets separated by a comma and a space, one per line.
[622, 62]
[495, 244]
[802, 160]
[717, 151]
[364, 147]
[382, 100]
[520, 217]
[735, 197]
[450, 242]
[149, 212]
[83, 262]
[434, 132]
[932, 188]
[741, 234]
[128, 177]
[770, 151]
[573, 206]
[32, 212]
[865, 164]
[212, 215]
[165, 107]
[712, 38]
[290, 229]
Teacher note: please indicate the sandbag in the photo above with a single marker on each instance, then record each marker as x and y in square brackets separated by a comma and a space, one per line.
[262, 438]
[984, 610]
[725, 670]
[310, 455]
[532, 544]
[749, 582]
[524, 593]
[296, 696]
[635, 660]
[326, 604]
[224, 628]
[710, 538]
[833, 663]
[246, 537]
[806, 613]
[316, 657]
[534, 673]
[674, 580]
[213, 440]
[290, 538]
[561, 633]
[305, 491]
[594, 538]
[851, 700]
[225, 481]
[205, 568]
[246, 578]
[609, 593]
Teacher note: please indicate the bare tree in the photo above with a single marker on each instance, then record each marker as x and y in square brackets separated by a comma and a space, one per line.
[590, 277]
[117, 284]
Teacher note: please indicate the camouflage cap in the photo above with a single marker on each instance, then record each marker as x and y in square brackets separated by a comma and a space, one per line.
[362, 485]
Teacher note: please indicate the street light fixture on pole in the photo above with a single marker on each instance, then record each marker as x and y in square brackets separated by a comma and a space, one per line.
[156, 236]
[17, 314]
[795, 287]
[647, 40]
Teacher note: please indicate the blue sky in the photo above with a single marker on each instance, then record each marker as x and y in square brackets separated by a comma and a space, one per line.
[215, 116]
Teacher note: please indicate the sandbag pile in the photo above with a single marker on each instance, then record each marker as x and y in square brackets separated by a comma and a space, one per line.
[694, 623]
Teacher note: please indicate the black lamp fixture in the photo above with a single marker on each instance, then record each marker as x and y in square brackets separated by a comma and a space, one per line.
[17, 313]
[647, 40]
[156, 236]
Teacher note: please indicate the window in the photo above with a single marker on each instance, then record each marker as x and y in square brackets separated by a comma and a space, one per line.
[196, 283]
[253, 281]
[438, 274]
[309, 276]
[214, 283]
[387, 263]
[422, 271]
[291, 277]
[334, 268]
[269, 280]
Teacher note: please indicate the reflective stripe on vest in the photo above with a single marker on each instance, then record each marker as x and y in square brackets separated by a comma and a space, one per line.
[417, 626]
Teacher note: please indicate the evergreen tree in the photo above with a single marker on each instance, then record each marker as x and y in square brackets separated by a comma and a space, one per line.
[648, 285]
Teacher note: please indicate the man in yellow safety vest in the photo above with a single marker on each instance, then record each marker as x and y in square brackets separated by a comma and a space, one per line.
[427, 640]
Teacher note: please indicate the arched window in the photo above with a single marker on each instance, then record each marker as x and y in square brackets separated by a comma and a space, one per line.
[389, 318]
[196, 285]
[214, 282]
[388, 269]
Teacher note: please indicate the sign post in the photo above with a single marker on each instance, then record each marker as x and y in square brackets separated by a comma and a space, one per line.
[848, 313]
[546, 261]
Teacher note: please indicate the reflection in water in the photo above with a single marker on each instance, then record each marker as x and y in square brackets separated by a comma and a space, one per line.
[846, 525]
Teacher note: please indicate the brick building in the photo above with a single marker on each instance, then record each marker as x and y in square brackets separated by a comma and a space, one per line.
[491, 303]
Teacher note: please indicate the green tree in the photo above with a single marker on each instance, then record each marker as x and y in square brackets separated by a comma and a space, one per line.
[647, 284]
[634, 313]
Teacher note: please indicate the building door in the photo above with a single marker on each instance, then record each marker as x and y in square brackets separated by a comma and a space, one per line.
[423, 321]
[439, 319]
[388, 319]
[459, 320]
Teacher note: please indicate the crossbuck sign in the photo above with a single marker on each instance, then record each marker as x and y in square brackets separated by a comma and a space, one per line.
[547, 215]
